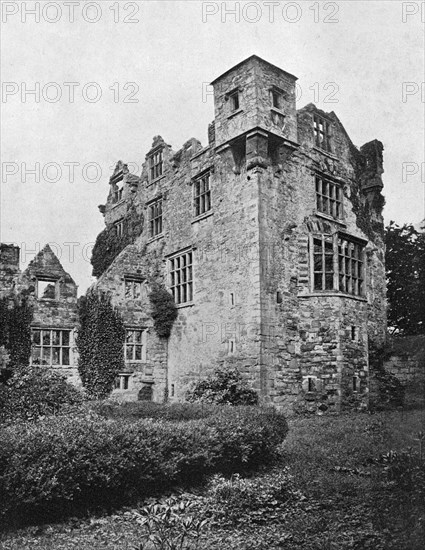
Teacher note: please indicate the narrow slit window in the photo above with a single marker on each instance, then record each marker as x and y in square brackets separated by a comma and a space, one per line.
[277, 99]
[234, 101]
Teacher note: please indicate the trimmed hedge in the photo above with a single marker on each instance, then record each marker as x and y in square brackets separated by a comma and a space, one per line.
[67, 465]
[135, 410]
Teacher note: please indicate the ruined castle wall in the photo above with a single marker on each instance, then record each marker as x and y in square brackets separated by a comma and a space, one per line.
[9, 267]
[320, 336]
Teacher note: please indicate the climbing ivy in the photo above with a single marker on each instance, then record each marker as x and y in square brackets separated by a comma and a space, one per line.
[108, 244]
[100, 344]
[16, 315]
[164, 310]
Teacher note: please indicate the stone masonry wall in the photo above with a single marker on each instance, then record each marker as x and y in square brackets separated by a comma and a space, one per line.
[254, 305]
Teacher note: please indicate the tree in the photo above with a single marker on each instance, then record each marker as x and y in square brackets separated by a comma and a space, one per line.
[405, 265]
[100, 344]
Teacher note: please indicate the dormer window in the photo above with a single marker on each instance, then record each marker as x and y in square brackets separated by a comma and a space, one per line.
[47, 289]
[322, 133]
[156, 164]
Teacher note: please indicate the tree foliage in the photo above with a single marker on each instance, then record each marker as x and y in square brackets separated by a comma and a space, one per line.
[224, 387]
[405, 264]
[16, 315]
[164, 310]
[108, 244]
[100, 344]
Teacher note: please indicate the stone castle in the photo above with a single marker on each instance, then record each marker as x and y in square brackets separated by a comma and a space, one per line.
[270, 239]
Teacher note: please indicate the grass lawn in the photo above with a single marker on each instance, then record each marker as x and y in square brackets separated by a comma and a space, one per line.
[339, 498]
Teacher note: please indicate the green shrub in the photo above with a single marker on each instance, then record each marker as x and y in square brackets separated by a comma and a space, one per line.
[167, 524]
[62, 465]
[391, 391]
[32, 392]
[225, 387]
[100, 344]
[16, 315]
[135, 410]
[257, 500]
[164, 310]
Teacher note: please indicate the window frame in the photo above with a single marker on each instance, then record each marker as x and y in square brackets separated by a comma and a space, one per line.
[157, 220]
[118, 194]
[235, 102]
[322, 131]
[156, 164]
[133, 280]
[119, 227]
[329, 192]
[134, 344]
[199, 197]
[50, 280]
[355, 286]
[122, 381]
[180, 266]
[51, 346]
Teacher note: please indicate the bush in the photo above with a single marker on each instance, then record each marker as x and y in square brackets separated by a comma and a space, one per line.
[391, 391]
[225, 387]
[135, 410]
[256, 500]
[164, 310]
[32, 392]
[64, 465]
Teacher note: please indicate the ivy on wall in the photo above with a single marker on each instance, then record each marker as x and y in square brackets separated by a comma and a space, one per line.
[108, 244]
[164, 310]
[16, 315]
[100, 344]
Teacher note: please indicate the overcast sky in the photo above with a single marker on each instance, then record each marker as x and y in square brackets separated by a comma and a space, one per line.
[139, 69]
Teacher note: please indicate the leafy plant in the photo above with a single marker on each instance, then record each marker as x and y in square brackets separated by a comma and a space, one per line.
[108, 244]
[32, 392]
[225, 387]
[168, 526]
[390, 390]
[100, 344]
[164, 310]
[16, 315]
[255, 500]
